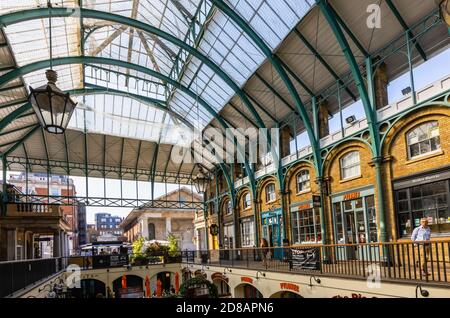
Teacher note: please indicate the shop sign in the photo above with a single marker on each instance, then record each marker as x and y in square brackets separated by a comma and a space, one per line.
[305, 258]
[352, 296]
[421, 180]
[304, 207]
[290, 286]
[352, 196]
[247, 279]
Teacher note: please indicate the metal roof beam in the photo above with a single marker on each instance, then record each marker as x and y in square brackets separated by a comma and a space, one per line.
[5, 89]
[349, 32]
[275, 61]
[40, 13]
[13, 103]
[407, 29]
[100, 60]
[296, 77]
[13, 115]
[3, 133]
[324, 63]
[273, 91]
[236, 108]
[108, 40]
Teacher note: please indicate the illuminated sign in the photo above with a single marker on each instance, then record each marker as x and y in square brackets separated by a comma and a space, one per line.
[290, 286]
[352, 196]
[247, 280]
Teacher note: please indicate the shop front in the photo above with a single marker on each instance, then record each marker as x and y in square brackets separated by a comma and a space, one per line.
[272, 230]
[305, 220]
[228, 242]
[355, 223]
[424, 195]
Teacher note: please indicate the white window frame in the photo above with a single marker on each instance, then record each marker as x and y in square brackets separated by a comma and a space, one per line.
[270, 196]
[301, 184]
[350, 166]
[426, 125]
[247, 203]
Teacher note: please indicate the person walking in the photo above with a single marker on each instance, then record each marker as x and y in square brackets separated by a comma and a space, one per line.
[264, 250]
[422, 234]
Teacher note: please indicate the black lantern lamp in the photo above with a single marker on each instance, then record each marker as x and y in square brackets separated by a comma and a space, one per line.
[52, 106]
[200, 181]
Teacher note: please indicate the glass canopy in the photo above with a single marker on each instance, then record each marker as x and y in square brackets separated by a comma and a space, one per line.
[196, 22]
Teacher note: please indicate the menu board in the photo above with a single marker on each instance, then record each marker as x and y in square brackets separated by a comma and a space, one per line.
[118, 260]
[305, 259]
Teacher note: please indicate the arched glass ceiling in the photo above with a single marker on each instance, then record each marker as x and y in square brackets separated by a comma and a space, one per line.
[126, 117]
[221, 40]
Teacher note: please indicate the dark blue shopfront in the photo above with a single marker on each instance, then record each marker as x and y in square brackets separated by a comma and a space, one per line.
[272, 230]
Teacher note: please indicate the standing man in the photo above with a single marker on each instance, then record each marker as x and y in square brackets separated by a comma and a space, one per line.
[422, 234]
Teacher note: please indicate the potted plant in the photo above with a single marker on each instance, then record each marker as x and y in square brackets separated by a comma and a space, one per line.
[138, 258]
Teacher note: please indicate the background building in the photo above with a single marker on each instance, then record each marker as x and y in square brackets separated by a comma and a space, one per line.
[175, 217]
[107, 224]
[91, 233]
[44, 188]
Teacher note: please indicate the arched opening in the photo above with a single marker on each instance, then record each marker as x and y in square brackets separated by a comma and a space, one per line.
[247, 291]
[167, 282]
[134, 287]
[285, 294]
[223, 289]
[151, 231]
[89, 288]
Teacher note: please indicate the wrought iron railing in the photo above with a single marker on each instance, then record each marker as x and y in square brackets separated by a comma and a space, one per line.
[102, 201]
[424, 261]
[17, 275]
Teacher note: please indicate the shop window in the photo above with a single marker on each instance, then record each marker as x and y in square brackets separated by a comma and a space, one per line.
[423, 139]
[350, 165]
[303, 181]
[247, 201]
[425, 201]
[270, 192]
[306, 226]
[247, 233]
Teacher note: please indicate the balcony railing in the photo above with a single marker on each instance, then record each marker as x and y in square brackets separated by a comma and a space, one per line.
[17, 275]
[30, 209]
[404, 261]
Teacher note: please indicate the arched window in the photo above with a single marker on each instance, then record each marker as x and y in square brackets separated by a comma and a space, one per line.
[228, 208]
[151, 231]
[303, 181]
[350, 165]
[423, 139]
[270, 192]
[247, 201]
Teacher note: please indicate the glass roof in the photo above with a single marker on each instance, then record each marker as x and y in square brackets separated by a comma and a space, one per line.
[126, 117]
[223, 42]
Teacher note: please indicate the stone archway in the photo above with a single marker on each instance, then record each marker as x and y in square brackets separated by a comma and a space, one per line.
[134, 288]
[285, 294]
[90, 288]
[247, 291]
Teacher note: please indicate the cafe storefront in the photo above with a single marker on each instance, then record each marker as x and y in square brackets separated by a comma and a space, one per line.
[305, 220]
[272, 229]
[355, 221]
[424, 195]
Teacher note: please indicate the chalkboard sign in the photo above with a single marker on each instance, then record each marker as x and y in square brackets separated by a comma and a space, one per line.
[304, 259]
[114, 260]
[118, 260]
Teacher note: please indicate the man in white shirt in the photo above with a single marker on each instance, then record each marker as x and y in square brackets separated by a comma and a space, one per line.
[422, 234]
